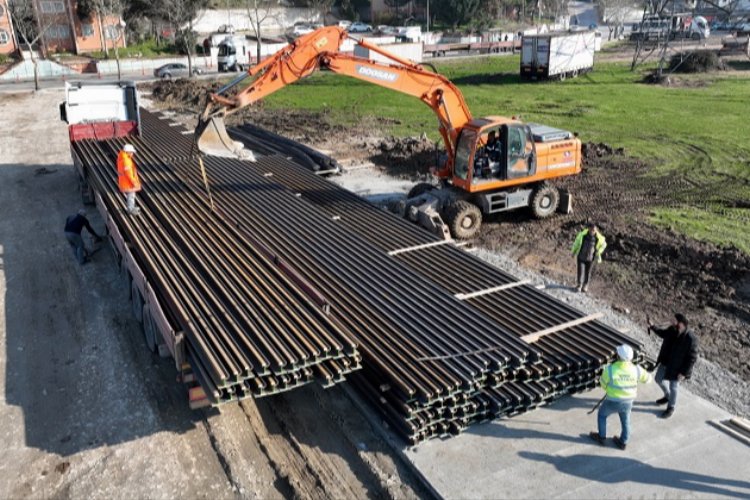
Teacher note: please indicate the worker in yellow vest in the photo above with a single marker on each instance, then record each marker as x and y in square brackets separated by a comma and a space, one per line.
[620, 381]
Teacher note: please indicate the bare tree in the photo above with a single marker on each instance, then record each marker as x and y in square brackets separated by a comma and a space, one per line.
[107, 9]
[30, 28]
[324, 6]
[182, 15]
[259, 11]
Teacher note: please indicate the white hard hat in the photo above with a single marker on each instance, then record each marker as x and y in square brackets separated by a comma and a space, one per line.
[128, 148]
[625, 352]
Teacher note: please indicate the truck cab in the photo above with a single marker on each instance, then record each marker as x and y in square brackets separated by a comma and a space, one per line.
[233, 54]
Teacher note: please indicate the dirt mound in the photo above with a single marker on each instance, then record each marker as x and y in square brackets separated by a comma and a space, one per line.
[591, 151]
[409, 157]
[699, 61]
[183, 92]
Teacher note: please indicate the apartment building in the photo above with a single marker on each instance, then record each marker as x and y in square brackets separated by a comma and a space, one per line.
[7, 36]
[65, 31]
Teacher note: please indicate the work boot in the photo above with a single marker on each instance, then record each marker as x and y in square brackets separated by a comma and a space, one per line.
[619, 443]
[578, 287]
[662, 401]
[134, 211]
[596, 437]
[585, 288]
[668, 412]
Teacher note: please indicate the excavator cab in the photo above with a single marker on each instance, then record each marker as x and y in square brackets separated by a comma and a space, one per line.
[493, 152]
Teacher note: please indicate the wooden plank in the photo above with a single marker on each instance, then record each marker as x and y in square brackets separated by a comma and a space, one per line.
[419, 247]
[533, 337]
[479, 293]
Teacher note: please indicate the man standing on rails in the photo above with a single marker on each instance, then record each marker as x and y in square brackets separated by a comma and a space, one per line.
[588, 247]
[620, 381]
[127, 177]
[678, 353]
[73, 227]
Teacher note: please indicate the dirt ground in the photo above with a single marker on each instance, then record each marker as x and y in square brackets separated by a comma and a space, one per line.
[646, 270]
[89, 412]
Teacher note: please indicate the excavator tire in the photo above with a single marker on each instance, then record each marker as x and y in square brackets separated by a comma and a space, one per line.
[544, 201]
[420, 189]
[463, 218]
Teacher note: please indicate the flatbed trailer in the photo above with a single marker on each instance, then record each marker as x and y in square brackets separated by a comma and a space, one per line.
[443, 49]
[238, 321]
[160, 334]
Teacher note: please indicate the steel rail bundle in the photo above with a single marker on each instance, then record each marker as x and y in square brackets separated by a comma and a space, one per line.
[573, 355]
[435, 361]
[251, 332]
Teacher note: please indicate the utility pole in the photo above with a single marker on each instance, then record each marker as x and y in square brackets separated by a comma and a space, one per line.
[428, 16]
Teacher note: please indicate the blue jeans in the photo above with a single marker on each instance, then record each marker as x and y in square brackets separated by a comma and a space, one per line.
[670, 388]
[622, 408]
[76, 243]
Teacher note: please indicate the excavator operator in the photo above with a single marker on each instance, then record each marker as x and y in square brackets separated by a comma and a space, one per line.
[487, 161]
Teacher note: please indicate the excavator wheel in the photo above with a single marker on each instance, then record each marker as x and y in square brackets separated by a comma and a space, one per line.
[463, 218]
[420, 189]
[544, 201]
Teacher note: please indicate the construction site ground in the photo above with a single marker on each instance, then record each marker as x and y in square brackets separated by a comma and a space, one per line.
[89, 412]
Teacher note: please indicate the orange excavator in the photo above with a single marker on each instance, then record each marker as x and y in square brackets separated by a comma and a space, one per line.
[491, 164]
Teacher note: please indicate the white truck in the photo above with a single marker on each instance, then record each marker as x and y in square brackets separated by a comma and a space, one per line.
[237, 52]
[557, 55]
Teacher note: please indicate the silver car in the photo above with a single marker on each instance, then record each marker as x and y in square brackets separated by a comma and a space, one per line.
[174, 70]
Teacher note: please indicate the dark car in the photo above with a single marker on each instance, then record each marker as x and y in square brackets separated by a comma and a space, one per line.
[174, 70]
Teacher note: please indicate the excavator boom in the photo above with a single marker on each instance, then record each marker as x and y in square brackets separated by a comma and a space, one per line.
[321, 48]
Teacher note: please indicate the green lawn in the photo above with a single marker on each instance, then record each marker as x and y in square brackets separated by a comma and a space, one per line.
[699, 130]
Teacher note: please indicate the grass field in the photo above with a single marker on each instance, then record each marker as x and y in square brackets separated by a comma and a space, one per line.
[698, 129]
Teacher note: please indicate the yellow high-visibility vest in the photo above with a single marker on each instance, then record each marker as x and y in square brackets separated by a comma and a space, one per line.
[620, 380]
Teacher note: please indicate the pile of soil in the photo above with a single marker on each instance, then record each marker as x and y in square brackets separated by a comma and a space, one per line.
[182, 94]
[407, 157]
[591, 151]
[699, 61]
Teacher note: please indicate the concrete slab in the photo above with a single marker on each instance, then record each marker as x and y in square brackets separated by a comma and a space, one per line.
[548, 454]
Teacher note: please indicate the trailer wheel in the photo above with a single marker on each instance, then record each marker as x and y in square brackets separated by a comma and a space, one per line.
[150, 332]
[420, 189]
[544, 201]
[136, 301]
[464, 219]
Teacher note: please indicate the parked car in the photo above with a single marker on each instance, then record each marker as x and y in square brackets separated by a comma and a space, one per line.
[359, 28]
[344, 24]
[174, 70]
[300, 29]
[388, 30]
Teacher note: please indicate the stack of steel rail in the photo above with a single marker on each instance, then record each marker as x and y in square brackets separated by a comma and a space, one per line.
[446, 339]
[252, 330]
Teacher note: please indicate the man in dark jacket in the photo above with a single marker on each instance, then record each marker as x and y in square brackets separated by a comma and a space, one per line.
[677, 355]
[73, 227]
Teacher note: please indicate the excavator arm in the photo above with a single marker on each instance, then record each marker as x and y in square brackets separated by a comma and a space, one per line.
[321, 49]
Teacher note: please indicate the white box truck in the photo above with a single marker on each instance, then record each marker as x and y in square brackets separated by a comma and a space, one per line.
[557, 55]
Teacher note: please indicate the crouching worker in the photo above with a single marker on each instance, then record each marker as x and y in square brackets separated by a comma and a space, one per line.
[620, 381]
[73, 227]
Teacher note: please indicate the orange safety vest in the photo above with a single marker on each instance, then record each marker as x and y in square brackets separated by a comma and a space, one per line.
[127, 175]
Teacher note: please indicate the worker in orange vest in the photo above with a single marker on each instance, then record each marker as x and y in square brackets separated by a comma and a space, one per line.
[127, 177]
